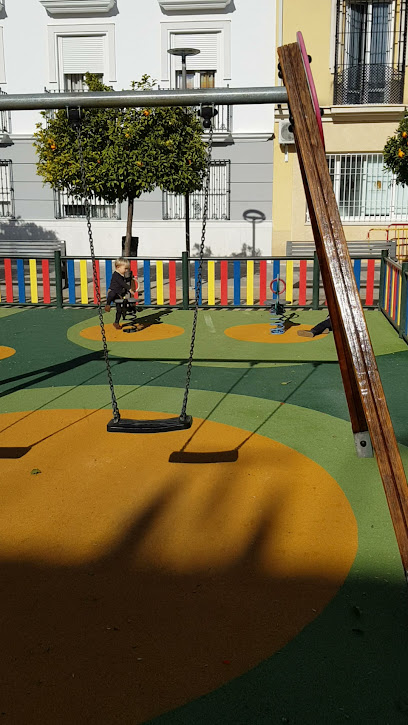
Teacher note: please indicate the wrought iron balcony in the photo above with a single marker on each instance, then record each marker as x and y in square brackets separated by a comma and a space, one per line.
[368, 83]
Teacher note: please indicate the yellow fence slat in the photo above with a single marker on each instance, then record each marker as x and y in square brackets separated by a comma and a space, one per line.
[289, 281]
[33, 280]
[84, 281]
[159, 282]
[250, 282]
[211, 282]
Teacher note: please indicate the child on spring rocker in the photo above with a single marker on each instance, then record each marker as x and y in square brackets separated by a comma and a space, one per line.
[121, 284]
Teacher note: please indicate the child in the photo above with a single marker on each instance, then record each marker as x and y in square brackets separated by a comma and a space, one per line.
[322, 328]
[120, 285]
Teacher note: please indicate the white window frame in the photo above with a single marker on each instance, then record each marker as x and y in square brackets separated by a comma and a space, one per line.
[223, 27]
[57, 31]
[6, 191]
[2, 61]
[371, 187]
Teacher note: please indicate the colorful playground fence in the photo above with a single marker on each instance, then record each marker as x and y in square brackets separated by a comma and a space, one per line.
[393, 295]
[172, 282]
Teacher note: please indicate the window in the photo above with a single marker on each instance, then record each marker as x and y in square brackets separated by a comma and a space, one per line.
[6, 189]
[77, 55]
[218, 198]
[370, 51]
[201, 68]
[67, 205]
[196, 79]
[77, 49]
[365, 191]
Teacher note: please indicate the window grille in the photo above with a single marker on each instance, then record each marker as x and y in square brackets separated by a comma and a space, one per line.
[218, 197]
[370, 51]
[6, 190]
[71, 206]
[365, 191]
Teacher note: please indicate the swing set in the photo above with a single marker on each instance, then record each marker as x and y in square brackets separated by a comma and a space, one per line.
[369, 415]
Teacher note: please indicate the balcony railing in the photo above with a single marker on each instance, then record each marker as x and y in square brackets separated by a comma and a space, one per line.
[368, 83]
[222, 122]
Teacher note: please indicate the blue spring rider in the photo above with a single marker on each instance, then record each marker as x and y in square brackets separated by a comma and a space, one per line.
[277, 313]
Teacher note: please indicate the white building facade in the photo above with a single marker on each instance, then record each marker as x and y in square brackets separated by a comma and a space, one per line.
[50, 45]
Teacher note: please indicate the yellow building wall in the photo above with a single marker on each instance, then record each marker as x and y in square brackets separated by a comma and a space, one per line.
[342, 135]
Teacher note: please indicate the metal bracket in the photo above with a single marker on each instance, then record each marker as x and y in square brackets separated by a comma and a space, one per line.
[74, 116]
[363, 444]
[207, 113]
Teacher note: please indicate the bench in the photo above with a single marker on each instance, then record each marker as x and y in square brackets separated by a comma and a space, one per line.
[369, 248]
[44, 249]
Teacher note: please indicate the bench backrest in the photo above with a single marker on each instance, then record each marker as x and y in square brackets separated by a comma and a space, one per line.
[369, 247]
[31, 249]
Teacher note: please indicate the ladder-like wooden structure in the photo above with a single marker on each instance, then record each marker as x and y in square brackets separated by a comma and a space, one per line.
[364, 392]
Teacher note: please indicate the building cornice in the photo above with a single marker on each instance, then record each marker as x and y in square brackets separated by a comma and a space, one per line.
[191, 5]
[77, 7]
[359, 114]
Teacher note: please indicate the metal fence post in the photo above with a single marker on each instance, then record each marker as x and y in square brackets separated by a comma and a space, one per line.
[185, 278]
[384, 256]
[403, 313]
[58, 278]
[316, 282]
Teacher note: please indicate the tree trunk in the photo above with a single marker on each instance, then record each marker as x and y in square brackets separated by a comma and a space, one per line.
[129, 227]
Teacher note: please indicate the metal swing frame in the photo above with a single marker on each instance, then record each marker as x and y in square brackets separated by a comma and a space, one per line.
[160, 425]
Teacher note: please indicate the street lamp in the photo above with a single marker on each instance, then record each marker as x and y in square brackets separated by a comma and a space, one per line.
[183, 53]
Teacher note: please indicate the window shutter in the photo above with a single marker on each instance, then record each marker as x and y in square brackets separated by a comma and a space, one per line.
[83, 53]
[206, 43]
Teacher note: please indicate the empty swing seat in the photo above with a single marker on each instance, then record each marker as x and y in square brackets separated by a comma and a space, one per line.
[159, 425]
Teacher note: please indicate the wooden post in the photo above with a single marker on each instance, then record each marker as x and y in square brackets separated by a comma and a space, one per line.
[361, 380]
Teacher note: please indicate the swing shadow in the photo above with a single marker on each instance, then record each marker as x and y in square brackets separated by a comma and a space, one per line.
[15, 452]
[230, 456]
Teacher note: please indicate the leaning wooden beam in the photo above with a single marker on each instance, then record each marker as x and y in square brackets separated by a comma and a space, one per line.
[361, 379]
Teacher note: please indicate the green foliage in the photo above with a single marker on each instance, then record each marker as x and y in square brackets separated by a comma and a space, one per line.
[126, 151]
[396, 152]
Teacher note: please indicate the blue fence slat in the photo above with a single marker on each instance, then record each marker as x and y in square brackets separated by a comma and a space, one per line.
[71, 281]
[108, 273]
[20, 281]
[357, 272]
[146, 282]
[276, 275]
[237, 282]
[196, 270]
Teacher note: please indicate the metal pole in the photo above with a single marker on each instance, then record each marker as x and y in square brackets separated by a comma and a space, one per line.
[142, 99]
[187, 195]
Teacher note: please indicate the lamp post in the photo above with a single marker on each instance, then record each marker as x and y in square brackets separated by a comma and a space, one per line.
[183, 53]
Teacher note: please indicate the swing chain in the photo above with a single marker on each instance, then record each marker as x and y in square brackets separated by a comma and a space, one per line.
[115, 407]
[199, 274]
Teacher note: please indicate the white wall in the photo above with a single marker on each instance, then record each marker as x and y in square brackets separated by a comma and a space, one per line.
[162, 238]
[138, 50]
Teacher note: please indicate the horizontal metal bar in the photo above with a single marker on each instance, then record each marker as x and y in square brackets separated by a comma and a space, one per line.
[142, 99]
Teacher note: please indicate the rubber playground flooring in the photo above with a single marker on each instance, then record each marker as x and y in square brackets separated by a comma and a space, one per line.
[244, 571]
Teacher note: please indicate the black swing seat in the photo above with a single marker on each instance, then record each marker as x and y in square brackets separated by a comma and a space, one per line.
[159, 425]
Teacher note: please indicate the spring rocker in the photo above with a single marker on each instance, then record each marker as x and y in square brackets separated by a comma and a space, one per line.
[277, 310]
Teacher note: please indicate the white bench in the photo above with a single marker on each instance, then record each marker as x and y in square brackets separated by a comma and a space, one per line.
[44, 249]
[369, 248]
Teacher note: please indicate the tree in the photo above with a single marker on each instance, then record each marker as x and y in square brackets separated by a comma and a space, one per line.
[127, 152]
[396, 152]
